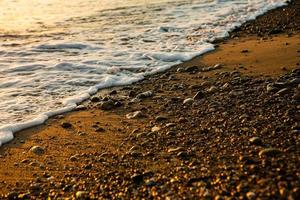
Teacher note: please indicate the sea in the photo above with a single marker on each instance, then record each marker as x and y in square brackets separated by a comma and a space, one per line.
[54, 54]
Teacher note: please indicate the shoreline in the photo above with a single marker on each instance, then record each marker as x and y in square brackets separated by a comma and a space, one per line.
[101, 143]
[70, 103]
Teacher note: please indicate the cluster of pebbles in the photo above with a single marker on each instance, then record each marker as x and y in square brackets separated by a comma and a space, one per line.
[281, 20]
[227, 136]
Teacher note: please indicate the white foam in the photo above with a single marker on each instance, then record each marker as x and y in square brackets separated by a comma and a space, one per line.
[51, 71]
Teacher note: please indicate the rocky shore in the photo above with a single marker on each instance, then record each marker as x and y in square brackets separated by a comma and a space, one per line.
[211, 128]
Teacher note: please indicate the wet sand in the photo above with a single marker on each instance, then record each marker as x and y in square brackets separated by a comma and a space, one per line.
[225, 125]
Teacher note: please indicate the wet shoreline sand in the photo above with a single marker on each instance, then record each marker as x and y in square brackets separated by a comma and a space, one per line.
[225, 125]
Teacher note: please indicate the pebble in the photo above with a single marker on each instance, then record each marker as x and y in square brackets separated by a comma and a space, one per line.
[199, 95]
[182, 154]
[12, 195]
[217, 66]
[295, 81]
[160, 118]
[206, 83]
[188, 101]
[26, 161]
[113, 92]
[171, 150]
[135, 153]
[137, 178]
[150, 183]
[74, 158]
[212, 89]
[250, 195]
[34, 164]
[37, 150]
[106, 105]
[144, 95]
[82, 195]
[155, 129]
[283, 91]
[24, 196]
[95, 99]
[180, 69]
[191, 69]
[81, 107]
[36, 187]
[269, 152]
[170, 125]
[255, 140]
[100, 129]
[171, 133]
[135, 115]
[271, 88]
[66, 125]
[141, 134]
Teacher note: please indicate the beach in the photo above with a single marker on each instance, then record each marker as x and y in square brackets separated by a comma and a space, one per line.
[225, 125]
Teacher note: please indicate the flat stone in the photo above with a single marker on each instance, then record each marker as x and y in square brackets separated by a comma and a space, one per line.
[271, 88]
[155, 129]
[269, 152]
[171, 150]
[113, 92]
[134, 153]
[191, 69]
[295, 81]
[217, 66]
[188, 101]
[212, 89]
[81, 107]
[199, 95]
[82, 195]
[66, 125]
[100, 129]
[106, 105]
[137, 178]
[37, 150]
[12, 195]
[95, 99]
[74, 158]
[135, 115]
[160, 118]
[250, 195]
[144, 95]
[255, 140]
[283, 91]
[150, 183]
[170, 124]
[35, 187]
[182, 154]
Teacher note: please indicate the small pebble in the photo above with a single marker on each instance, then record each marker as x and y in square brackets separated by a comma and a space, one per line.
[269, 152]
[135, 115]
[255, 140]
[188, 101]
[66, 125]
[82, 195]
[37, 150]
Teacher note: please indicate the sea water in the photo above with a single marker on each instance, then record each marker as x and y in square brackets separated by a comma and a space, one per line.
[55, 53]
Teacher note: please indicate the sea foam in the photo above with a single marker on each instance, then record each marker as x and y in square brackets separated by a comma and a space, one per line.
[51, 70]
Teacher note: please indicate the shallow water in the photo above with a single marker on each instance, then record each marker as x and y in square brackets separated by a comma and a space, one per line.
[56, 53]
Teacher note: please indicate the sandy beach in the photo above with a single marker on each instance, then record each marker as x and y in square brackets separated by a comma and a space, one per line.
[225, 125]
